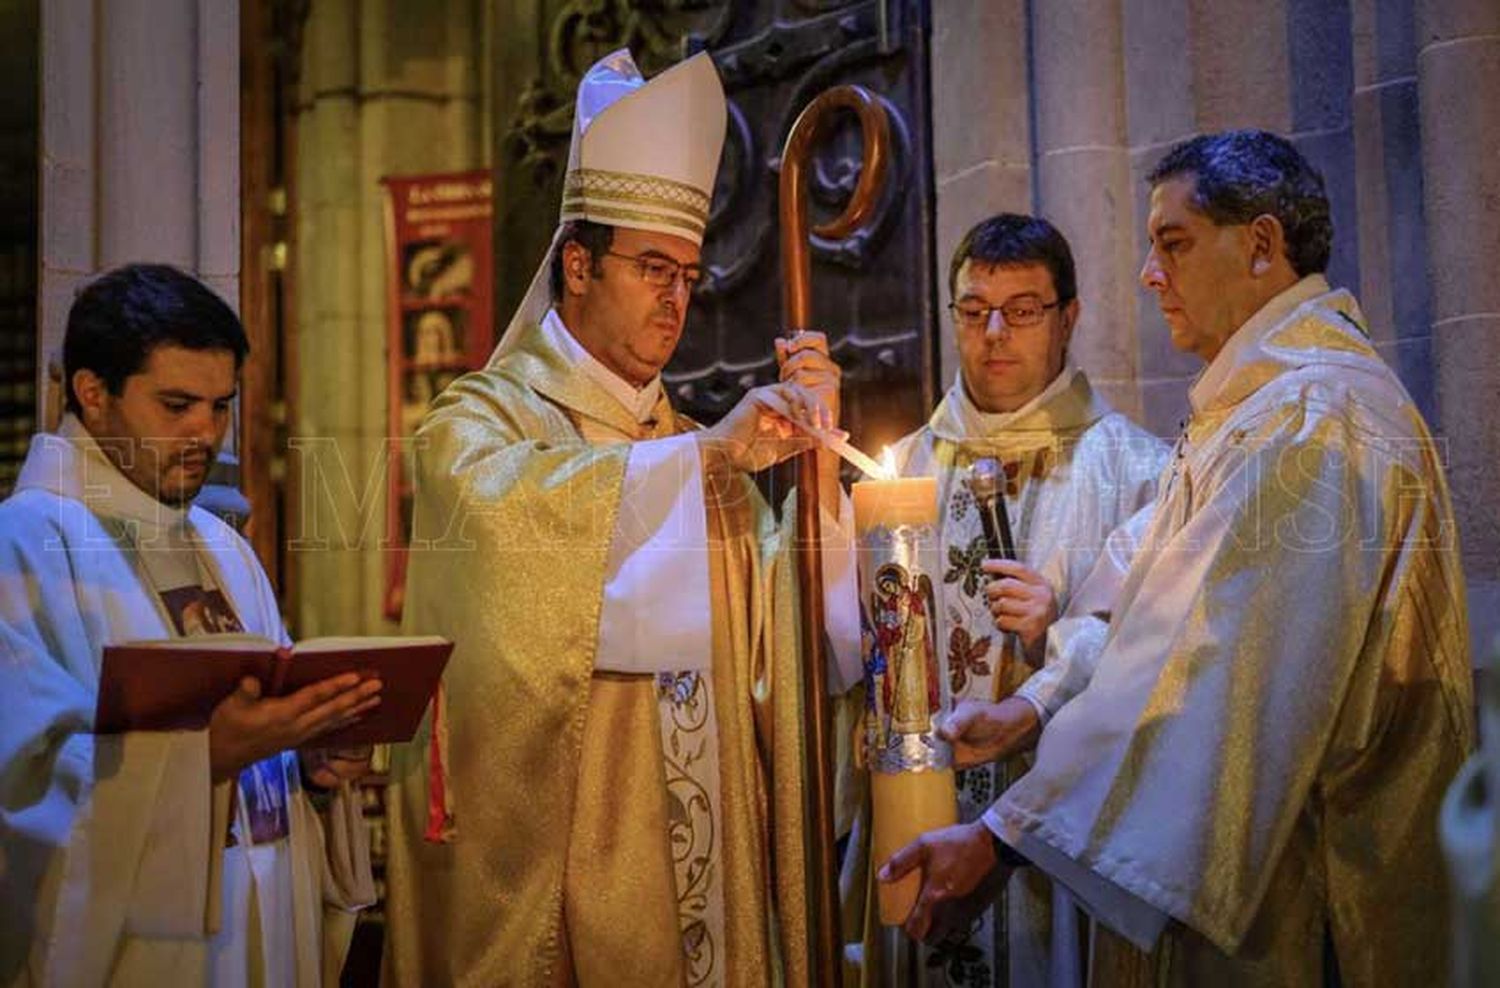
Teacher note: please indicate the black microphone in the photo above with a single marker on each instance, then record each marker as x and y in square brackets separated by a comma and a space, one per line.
[986, 483]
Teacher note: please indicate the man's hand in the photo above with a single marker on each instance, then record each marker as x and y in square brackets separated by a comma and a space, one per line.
[1021, 601]
[328, 767]
[762, 429]
[244, 728]
[804, 360]
[960, 872]
[985, 732]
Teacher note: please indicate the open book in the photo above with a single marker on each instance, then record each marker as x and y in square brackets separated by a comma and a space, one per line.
[174, 684]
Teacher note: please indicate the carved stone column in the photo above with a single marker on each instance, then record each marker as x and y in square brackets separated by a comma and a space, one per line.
[981, 131]
[1458, 70]
[386, 88]
[1161, 108]
[1392, 236]
[140, 145]
[1084, 180]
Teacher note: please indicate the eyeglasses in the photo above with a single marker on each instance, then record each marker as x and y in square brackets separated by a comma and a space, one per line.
[1016, 313]
[663, 272]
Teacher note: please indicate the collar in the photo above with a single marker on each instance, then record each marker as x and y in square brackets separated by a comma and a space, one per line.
[1066, 404]
[536, 358]
[1242, 366]
[639, 402]
[70, 464]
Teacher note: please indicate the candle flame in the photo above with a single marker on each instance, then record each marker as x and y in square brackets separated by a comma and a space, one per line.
[888, 464]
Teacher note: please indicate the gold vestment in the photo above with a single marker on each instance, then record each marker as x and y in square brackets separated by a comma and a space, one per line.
[558, 869]
[1284, 693]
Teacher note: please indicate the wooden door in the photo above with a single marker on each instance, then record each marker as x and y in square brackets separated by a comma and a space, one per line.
[874, 293]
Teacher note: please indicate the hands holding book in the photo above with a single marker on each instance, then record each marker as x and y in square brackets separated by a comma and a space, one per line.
[257, 697]
[245, 727]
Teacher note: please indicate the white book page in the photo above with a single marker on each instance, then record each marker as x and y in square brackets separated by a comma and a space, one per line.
[344, 643]
[237, 642]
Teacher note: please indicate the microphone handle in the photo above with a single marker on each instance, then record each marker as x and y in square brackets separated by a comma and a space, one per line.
[996, 522]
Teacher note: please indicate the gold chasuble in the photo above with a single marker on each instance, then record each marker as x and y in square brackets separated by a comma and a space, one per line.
[554, 864]
[1284, 693]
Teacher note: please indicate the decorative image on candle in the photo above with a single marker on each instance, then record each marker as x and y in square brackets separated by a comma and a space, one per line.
[906, 677]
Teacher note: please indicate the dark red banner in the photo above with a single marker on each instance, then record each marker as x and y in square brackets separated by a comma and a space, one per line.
[440, 319]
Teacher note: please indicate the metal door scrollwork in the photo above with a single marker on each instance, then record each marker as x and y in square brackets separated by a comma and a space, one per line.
[877, 299]
[580, 32]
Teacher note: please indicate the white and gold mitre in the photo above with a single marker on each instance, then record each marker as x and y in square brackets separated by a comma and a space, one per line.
[644, 156]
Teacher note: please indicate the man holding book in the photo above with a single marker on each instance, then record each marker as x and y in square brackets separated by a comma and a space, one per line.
[156, 857]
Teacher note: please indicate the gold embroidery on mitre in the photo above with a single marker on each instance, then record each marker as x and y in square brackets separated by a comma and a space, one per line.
[578, 203]
[635, 200]
[580, 209]
[642, 190]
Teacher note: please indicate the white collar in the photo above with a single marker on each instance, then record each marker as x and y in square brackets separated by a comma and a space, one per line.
[1067, 404]
[71, 464]
[977, 422]
[639, 402]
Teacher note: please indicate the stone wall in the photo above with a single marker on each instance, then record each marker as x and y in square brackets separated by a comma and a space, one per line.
[386, 88]
[1061, 107]
[140, 147]
[1458, 89]
[981, 129]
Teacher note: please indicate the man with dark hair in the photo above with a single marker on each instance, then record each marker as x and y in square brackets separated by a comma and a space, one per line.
[609, 790]
[185, 857]
[1076, 470]
[1257, 762]
[1248, 173]
[115, 328]
[1014, 239]
[595, 238]
[123, 315]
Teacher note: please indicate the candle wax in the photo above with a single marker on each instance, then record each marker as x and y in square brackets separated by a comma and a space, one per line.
[907, 805]
[890, 503]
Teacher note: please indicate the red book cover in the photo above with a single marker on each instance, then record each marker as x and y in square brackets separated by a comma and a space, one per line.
[174, 685]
